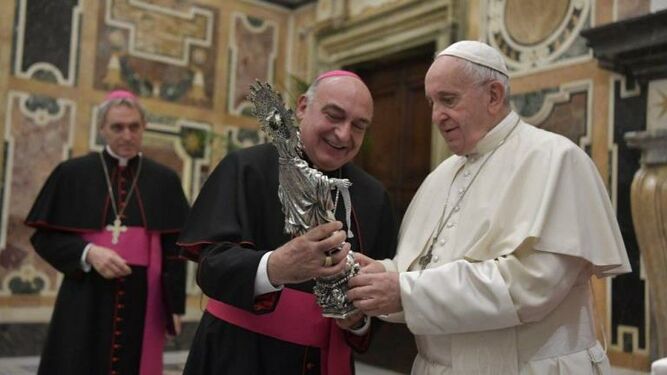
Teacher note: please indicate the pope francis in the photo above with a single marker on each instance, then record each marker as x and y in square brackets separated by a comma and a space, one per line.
[498, 246]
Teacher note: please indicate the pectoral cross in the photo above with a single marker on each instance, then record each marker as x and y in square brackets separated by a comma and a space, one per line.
[425, 259]
[115, 230]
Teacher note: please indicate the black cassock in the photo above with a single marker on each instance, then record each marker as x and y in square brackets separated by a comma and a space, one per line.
[236, 219]
[97, 324]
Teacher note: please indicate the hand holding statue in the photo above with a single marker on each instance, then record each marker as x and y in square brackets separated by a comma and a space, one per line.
[305, 257]
[376, 293]
[353, 322]
[368, 264]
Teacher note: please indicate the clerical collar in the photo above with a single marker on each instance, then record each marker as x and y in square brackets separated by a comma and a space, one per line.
[121, 160]
[334, 173]
[495, 136]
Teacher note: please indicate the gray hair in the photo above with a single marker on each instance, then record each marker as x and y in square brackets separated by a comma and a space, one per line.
[310, 93]
[481, 74]
[107, 105]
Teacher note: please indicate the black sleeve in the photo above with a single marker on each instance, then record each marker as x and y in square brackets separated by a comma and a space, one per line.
[60, 249]
[173, 274]
[229, 228]
[227, 273]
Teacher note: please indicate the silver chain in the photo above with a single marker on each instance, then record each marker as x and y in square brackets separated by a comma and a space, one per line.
[425, 259]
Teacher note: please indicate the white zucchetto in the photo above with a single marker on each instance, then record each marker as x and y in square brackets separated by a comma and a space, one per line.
[478, 53]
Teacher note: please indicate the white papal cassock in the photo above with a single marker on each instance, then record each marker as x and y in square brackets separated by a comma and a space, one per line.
[507, 291]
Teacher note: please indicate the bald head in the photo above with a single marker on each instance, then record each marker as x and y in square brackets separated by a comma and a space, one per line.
[334, 115]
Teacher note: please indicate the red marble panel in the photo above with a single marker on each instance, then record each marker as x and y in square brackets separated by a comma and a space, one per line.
[37, 144]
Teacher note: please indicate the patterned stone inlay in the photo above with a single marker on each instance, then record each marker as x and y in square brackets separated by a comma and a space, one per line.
[47, 40]
[253, 53]
[38, 135]
[161, 33]
[533, 33]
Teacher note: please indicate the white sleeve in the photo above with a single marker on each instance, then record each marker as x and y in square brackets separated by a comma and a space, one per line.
[364, 328]
[389, 265]
[538, 281]
[466, 297]
[85, 266]
[262, 283]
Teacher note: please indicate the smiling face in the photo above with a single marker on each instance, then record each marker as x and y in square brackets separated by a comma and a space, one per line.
[462, 109]
[333, 122]
[123, 130]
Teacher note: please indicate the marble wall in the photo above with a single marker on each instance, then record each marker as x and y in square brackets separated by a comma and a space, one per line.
[558, 85]
[190, 61]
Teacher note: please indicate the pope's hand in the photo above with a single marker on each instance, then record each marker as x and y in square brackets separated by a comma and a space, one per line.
[107, 262]
[305, 257]
[376, 293]
[368, 264]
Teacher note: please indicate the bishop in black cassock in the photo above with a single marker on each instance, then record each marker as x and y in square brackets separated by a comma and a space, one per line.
[237, 219]
[229, 236]
[117, 325]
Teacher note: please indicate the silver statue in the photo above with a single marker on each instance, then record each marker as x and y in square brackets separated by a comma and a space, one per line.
[304, 192]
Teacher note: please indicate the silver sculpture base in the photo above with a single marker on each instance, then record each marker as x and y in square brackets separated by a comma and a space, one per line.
[331, 292]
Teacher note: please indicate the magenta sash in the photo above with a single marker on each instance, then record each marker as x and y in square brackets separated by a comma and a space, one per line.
[140, 248]
[297, 319]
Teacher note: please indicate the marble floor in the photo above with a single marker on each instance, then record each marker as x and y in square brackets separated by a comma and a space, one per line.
[174, 364]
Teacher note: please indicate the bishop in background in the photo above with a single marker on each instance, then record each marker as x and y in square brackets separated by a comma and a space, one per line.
[109, 222]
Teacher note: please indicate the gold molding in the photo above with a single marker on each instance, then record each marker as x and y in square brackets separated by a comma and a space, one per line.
[399, 27]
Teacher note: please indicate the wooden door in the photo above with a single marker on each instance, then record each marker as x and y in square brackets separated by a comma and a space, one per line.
[397, 147]
[397, 150]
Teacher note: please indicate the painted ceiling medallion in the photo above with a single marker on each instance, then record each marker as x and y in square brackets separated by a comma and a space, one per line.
[533, 33]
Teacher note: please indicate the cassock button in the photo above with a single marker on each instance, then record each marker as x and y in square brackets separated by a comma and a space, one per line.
[443, 241]
[457, 208]
[310, 365]
[466, 173]
[117, 333]
[115, 359]
[450, 225]
[436, 258]
[120, 306]
[119, 319]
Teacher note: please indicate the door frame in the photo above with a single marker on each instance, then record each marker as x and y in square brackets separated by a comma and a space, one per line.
[339, 41]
